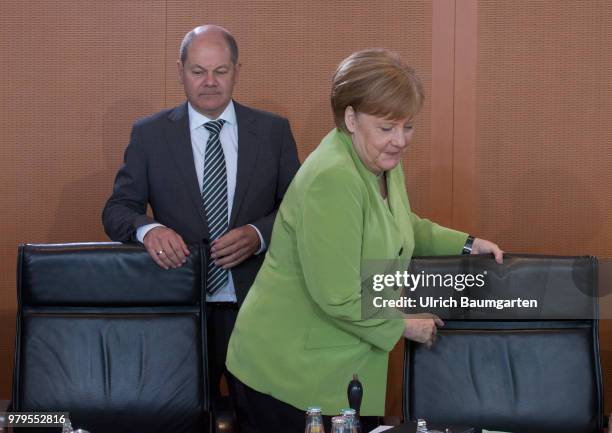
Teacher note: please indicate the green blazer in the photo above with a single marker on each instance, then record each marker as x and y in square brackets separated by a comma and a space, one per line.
[300, 334]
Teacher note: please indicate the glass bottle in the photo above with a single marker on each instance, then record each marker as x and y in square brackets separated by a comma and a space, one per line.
[67, 426]
[314, 420]
[339, 425]
[421, 426]
[352, 420]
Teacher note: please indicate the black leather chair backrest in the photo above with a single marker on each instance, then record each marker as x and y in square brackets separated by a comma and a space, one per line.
[524, 375]
[107, 335]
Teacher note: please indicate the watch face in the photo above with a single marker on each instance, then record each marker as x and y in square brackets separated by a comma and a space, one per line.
[467, 248]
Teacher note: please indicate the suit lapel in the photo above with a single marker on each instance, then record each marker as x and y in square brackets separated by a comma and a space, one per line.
[248, 150]
[179, 140]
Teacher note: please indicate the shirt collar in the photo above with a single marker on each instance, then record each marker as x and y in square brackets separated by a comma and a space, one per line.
[197, 119]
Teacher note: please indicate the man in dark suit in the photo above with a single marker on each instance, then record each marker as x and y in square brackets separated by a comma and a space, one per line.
[214, 173]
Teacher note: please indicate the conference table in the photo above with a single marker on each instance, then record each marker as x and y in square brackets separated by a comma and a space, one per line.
[407, 427]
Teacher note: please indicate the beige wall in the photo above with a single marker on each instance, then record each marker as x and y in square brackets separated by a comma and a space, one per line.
[513, 143]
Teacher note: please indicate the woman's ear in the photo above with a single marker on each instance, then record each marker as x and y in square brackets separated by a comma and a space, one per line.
[350, 118]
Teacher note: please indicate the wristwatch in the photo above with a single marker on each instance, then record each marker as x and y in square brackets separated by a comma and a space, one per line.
[467, 248]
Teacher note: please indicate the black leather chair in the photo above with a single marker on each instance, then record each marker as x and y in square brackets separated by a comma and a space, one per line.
[106, 335]
[539, 373]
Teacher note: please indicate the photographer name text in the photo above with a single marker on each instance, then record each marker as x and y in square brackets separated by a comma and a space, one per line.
[462, 302]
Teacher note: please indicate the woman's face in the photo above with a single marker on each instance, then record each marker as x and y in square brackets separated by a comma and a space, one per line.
[379, 142]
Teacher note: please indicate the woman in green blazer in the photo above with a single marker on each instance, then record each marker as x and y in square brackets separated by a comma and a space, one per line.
[300, 334]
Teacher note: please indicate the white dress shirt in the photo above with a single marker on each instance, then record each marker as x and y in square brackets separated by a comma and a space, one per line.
[229, 143]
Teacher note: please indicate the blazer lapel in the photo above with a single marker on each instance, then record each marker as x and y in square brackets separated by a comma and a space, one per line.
[248, 150]
[179, 140]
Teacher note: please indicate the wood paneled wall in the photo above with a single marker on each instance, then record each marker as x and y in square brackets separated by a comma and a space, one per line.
[513, 143]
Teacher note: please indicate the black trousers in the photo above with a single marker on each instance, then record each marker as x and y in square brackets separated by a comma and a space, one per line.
[262, 413]
[220, 320]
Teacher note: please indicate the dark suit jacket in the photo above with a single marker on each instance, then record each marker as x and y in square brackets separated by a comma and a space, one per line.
[159, 170]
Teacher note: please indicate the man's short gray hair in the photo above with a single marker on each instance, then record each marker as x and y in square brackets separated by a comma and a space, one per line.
[229, 39]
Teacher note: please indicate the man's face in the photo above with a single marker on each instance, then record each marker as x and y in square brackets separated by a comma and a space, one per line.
[208, 74]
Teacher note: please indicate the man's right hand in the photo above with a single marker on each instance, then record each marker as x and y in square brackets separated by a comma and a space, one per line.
[166, 247]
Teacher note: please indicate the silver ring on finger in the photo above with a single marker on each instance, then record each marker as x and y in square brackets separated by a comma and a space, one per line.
[160, 252]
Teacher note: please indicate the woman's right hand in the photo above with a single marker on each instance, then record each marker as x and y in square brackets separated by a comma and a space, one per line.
[422, 328]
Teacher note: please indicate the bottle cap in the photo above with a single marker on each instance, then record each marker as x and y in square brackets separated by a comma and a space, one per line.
[338, 420]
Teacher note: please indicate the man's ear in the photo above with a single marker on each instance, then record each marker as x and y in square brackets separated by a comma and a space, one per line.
[350, 118]
[236, 72]
[179, 70]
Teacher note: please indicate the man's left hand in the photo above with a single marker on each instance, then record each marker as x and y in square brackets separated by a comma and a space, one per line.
[235, 246]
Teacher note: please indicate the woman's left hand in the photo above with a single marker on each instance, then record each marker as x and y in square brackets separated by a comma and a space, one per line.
[483, 246]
